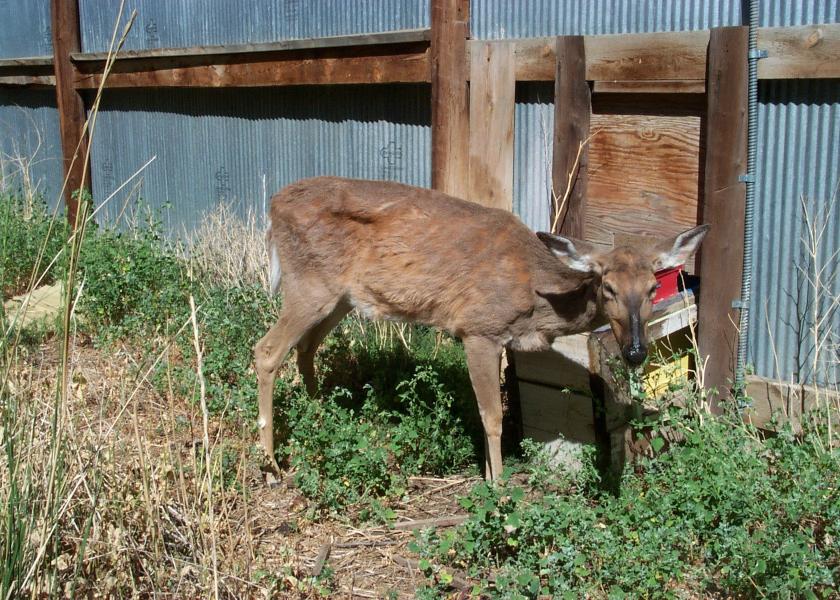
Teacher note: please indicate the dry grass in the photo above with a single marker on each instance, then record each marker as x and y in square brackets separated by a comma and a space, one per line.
[134, 501]
[229, 249]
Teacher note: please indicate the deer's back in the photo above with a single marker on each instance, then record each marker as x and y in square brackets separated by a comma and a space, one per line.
[407, 253]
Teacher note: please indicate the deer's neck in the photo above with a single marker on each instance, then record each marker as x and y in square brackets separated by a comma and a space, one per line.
[558, 315]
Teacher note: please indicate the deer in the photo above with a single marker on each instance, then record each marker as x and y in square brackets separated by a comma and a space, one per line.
[396, 252]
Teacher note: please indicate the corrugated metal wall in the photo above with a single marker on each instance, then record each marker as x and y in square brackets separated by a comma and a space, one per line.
[799, 161]
[502, 19]
[214, 145]
[25, 28]
[168, 23]
[217, 145]
[30, 147]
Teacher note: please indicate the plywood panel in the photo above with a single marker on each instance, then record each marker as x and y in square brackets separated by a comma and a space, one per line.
[643, 176]
[492, 97]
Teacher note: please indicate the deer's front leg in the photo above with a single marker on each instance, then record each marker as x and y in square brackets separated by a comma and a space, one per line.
[483, 360]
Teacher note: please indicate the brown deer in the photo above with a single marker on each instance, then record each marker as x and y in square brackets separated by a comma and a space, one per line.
[392, 251]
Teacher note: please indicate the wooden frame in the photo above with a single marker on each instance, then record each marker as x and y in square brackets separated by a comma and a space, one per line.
[723, 204]
[71, 106]
[656, 65]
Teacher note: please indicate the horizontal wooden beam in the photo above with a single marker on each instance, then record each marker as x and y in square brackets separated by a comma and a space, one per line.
[664, 86]
[343, 41]
[811, 51]
[775, 403]
[40, 81]
[406, 63]
[625, 57]
[31, 61]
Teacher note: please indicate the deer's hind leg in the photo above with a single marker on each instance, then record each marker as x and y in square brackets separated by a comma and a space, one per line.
[298, 317]
[308, 345]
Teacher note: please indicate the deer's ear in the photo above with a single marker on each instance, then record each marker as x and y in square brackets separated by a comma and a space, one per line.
[676, 251]
[575, 254]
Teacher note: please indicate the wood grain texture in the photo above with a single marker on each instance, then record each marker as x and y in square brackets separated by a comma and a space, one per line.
[449, 70]
[722, 253]
[33, 81]
[339, 41]
[71, 106]
[663, 86]
[626, 57]
[643, 176]
[572, 112]
[331, 66]
[492, 100]
[811, 51]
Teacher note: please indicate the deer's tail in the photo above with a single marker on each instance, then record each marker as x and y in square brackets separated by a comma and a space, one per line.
[275, 273]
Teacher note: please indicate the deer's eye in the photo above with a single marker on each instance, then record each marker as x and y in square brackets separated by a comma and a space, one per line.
[609, 290]
[654, 288]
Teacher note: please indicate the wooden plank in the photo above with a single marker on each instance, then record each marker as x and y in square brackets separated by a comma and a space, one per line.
[811, 51]
[450, 104]
[644, 56]
[777, 403]
[29, 61]
[625, 57]
[341, 41]
[557, 412]
[664, 86]
[71, 106]
[35, 81]
[722, 253]
[263, 70]
[644, 173]
[492, 102]
[572, 112]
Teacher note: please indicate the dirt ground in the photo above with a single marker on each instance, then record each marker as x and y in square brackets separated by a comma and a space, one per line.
[269, 540]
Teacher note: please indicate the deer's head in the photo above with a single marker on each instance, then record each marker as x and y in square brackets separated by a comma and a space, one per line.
[625, 281]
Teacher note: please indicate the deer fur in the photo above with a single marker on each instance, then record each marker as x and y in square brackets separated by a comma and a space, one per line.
[393, 251]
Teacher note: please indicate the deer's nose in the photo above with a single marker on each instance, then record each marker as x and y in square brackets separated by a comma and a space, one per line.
[634, 354]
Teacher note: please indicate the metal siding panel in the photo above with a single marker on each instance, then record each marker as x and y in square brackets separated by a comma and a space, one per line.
[30, 141]
[798, 156]
[534, 130]
[502, 19]
[217, 145]
[25, 28]
[167, 24]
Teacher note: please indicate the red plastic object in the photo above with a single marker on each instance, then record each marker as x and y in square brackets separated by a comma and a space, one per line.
[668, 280]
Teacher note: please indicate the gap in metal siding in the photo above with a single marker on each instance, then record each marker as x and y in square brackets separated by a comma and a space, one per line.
[168, 24]
[533, 148]
[29, 138]
[798, 156]
[216, 145]
[25, 28]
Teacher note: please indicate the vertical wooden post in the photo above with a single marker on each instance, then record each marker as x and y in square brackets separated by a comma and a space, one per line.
[71, 107]
[450, 110]
[572, 111]
[492, 106]
[722, 253]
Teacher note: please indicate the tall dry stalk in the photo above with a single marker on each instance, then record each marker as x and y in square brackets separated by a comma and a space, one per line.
[561, 203]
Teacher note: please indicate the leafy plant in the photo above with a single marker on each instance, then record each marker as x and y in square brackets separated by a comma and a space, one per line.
[28, 231]
[721, 511]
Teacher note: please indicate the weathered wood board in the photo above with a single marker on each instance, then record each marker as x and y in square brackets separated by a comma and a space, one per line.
[644, 173]
[492, 103]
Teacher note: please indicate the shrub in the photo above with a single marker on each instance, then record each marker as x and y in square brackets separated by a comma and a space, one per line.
[345, 456]
[721, 512]
[131, 284]
[27, 231]
[230, 322]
